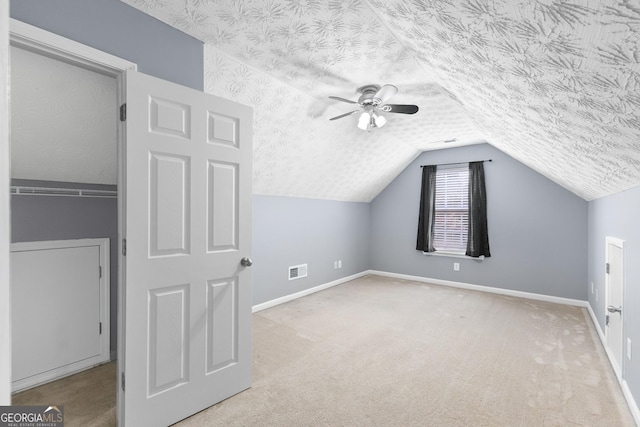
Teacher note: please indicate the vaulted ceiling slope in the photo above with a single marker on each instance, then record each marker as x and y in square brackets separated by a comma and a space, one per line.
[553, 83]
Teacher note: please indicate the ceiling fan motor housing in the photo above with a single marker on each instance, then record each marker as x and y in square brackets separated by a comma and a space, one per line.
[367, 91]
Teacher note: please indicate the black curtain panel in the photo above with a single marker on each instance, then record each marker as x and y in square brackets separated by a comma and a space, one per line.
[427, 216]
[478, 237]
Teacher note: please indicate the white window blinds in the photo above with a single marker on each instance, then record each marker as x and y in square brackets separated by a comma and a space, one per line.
[451, 210]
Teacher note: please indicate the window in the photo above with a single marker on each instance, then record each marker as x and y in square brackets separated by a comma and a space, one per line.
[451, 222]
[453, 210]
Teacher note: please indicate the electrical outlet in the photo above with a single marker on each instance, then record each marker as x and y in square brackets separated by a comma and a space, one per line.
[629, 348]
[591, 287]
[456, 266]
[339, 263]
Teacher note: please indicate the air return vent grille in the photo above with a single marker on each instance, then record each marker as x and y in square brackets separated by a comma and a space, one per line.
[297, 271]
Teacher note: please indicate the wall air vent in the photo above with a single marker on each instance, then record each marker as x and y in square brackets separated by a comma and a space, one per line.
[297, 271]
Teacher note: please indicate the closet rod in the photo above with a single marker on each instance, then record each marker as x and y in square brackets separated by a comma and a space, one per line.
[23, 190]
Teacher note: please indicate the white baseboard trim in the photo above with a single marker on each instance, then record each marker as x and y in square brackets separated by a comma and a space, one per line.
[633, 407]
[286, 298]
[594, 319]
[500, 291]
[631, 402]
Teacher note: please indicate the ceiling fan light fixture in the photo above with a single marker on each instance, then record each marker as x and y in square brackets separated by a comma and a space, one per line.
[379, 120]
[363, 121]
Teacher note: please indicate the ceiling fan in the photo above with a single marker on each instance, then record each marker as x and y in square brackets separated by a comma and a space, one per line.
[371, 104]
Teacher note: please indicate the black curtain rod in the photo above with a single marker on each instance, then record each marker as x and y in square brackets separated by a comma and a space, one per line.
[456, 163]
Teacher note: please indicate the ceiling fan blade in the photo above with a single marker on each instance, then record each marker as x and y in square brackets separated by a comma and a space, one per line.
[385, 92]
[344, 115]
[337, 98]
[399, 108]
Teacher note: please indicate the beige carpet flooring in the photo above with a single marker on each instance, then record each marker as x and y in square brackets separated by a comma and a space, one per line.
[89, 397]
[385, 352]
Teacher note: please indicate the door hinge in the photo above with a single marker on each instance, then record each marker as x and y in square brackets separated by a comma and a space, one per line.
[100, 328]
[608, 268]
[100, 272]
[606, 320]
[124, 247]
[123, 112]
[122, 380]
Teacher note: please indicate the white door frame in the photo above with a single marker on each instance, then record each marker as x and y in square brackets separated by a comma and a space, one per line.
[5, 223]
[619, 243]
[49, 44]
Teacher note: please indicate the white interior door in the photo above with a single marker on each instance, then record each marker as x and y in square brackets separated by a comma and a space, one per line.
[187, 316]
[614, 301]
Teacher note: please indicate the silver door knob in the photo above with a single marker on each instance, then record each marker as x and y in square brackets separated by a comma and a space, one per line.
[246, 262]
[612, 309]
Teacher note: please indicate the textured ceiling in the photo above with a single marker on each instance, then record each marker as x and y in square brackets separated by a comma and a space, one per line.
[63, 126]
[553, 83]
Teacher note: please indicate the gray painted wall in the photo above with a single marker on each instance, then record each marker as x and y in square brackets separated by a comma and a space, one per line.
[121, 30]
[290, 231]
[537, 229]
[39, 218]
[617, 216]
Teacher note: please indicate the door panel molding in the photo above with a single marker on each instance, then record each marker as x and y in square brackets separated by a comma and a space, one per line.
[168, 339]
[222, 318]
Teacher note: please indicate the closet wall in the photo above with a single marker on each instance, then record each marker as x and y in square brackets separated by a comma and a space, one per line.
[64, 135]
